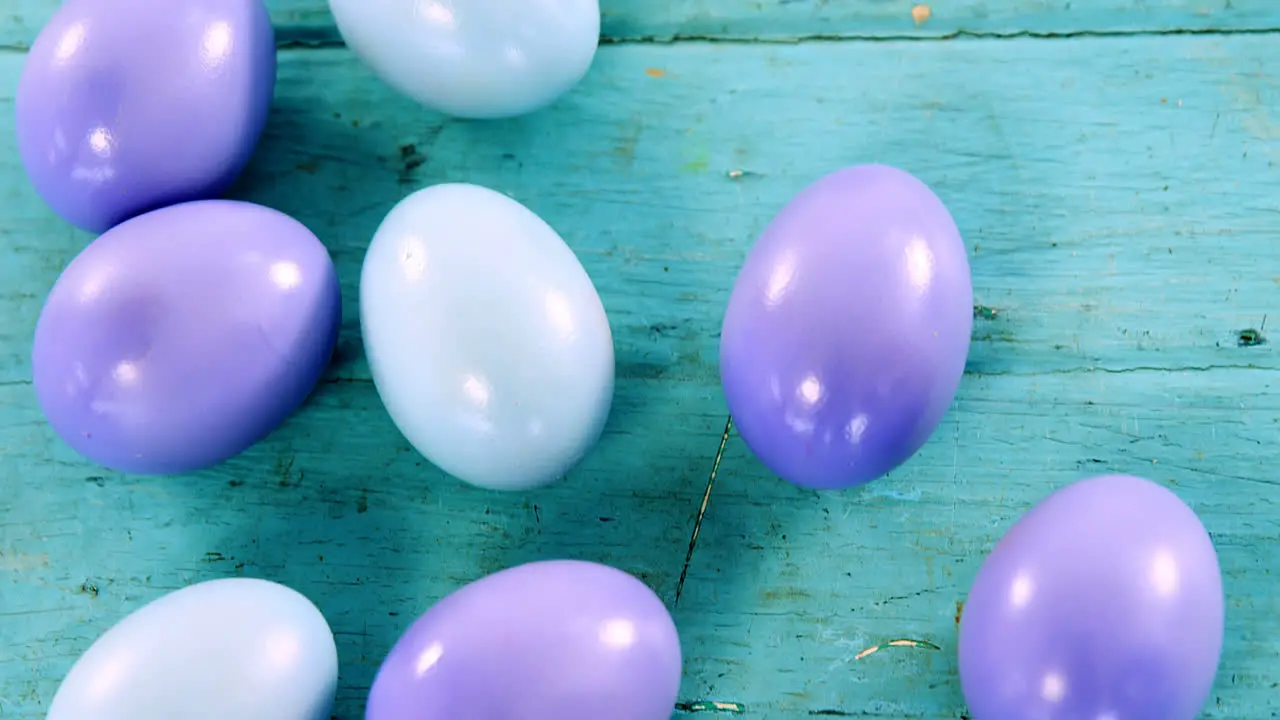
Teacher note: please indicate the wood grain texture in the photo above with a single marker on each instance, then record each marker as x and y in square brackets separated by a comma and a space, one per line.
[309, 21]
[1119, 197]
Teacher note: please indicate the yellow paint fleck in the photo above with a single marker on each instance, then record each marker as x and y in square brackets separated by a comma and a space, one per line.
[655, 72]
[920, 13]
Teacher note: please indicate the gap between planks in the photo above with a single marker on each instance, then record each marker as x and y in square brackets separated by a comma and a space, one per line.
[310, 38]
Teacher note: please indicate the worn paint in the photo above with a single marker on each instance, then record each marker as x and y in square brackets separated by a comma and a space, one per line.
[921, 644]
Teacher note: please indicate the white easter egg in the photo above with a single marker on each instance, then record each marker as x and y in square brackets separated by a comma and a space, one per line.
[232, 648]
[486, 339]
[474, 58]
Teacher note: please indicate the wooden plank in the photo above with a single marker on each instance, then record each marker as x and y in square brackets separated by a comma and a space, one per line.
[309, 21]
[1119, 198]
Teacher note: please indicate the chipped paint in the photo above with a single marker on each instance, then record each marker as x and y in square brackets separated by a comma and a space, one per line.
[921, 644]
[711, 706]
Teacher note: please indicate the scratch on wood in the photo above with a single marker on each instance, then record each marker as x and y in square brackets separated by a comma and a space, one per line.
[702, 509]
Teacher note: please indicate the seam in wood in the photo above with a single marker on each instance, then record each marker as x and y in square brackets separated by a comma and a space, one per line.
[320, 38]
[316, 39]
[918, 37]
[1116, 371]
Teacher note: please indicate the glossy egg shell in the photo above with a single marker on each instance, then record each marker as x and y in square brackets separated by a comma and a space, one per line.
[231, 648]
[486, 339]
[1104, 601]
[468, 58]
[183, 336]
[847, 330]
[130, 105]
[561, 639]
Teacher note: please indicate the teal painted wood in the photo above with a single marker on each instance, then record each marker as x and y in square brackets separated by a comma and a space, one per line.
[1119, 197]
[309, 21]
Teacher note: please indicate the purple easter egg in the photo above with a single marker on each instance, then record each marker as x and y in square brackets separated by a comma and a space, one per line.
[1103, 602]
[552, 640]
[183, 336]
[131, 105]
[847, 331]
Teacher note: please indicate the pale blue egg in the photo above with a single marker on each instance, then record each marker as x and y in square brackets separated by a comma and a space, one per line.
[231, 648]
[474, 58]
[486, 339]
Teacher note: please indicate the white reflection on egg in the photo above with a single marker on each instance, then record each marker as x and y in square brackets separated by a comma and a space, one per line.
[1164, 574]
[282, 650]
[95, 283]
[126, 372]
[216, 45]
[114, 671]
[780, 280]
[71, 41]
[101, 142]
[429, 658]
[437, 13]
[413, 258]
[560, 313]
[1053, 687]
[810, 390]
[286, 275]
[477, 390]
[620, 634]
[856, 427]
[1021, 590]
[919, 265]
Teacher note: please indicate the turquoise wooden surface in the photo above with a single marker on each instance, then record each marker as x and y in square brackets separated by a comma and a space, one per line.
[1120, 197]
[309, 21]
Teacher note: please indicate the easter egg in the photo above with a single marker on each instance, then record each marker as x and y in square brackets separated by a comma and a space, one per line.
[183, 336]
[1104, 601]
[847, 329]
[485, 337]
[131, 105]
[561, 639]
[468, 58]
[231, 648]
